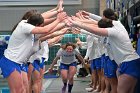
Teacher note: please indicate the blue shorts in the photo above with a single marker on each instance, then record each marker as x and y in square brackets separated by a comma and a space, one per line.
[92, 64]
[102, 60]
[131, 68]
[66, 66]
[110, 68]
[98, 63]
[36, 65]
[24, 67]
[7, 66]
[42, 63]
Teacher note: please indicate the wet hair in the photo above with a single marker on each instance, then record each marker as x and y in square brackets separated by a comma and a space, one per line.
[36, 19]
[26, 16]
[110, 14]
[105, 23]
[68, 44]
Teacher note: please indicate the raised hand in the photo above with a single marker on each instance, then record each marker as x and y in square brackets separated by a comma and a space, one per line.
[65, 30]
[70, 19]
[60, 6]
[84, 13]
[67, 22]
[75, 31]
[61, 16]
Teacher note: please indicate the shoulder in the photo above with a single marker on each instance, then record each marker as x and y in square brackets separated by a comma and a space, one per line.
[111, 31]
[61, 50]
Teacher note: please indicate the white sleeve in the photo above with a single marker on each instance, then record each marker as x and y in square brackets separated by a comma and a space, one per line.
[77, 51]
[27, 28]
[84, 45]
[112, 31]
[87, 53]
[85, 32]
[89, 48]
[59, 53]
[33, 57]
[88, 33]
[95, 17]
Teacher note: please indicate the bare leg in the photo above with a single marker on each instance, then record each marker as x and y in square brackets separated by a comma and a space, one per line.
[15, 82]
[72, 71]
[99, 80]
[25, 81]
[126, 84]
[107, 84]
[64, 76]
[95, 79]
[36, 81]
[92, 80]
[113, 83]
[30, 69]
[42, 75]
[102, 81]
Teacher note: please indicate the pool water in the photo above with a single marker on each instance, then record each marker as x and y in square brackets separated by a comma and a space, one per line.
[4, 90]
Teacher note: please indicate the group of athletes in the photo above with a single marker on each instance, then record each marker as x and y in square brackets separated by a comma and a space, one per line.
[114, 62]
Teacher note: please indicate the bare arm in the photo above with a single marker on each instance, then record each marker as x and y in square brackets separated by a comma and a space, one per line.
[53, 11]
[81, 58]
[41, 30]
[85, 20]
[93, 16]
[48, 21]
[54, 62]
[49, 14]
[58, 27]
[90, 28]
[52, 35]
[54, 40]
[90, 21]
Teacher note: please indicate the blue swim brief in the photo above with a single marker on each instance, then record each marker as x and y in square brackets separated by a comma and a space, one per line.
[66, 66]
[92, 64]
[102, 60]
[24, 67]
[36, 65]
[42, 63]
[110, 68]
[98, 63]
[7, 66]
[131, 68]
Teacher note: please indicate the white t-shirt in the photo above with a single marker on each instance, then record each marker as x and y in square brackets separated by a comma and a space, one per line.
[95, 17]
[93, 51]
[67, 58]
[108, 51]
[20, 43]
[120, 44]
[43, 52]
[103, 43]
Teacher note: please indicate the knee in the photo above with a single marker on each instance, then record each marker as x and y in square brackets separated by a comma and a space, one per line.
[65, 80]
[37, 81]
[20, 89]
[26, 83]
[70, 78]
